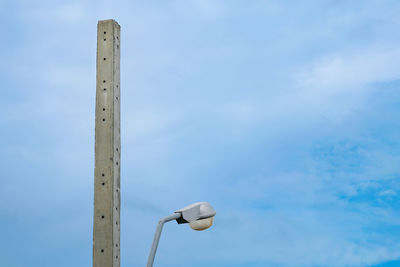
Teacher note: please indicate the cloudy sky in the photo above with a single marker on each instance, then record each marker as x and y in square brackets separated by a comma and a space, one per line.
[282, 114]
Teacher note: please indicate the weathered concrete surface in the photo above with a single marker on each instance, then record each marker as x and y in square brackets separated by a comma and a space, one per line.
[106, 221]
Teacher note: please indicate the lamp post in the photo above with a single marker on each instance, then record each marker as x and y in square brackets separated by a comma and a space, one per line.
[200, 216]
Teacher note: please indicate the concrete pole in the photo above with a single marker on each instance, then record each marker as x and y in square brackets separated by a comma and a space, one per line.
[106, 223]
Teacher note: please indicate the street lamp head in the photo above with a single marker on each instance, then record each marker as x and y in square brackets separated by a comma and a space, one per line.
[200, 215]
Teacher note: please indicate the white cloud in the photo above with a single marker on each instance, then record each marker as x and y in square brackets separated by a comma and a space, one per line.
[67, 13]
[332, 86]
[199, 9]
[351, 71]
[388, 193]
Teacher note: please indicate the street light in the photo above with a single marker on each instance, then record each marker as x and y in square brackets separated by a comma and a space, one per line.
[200, 216]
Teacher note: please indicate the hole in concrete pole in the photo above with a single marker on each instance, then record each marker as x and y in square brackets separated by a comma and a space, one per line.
[104, 81]
[104, 109]
[102, 250]
[103, 184]
[102, 174]
[104, 119]
[104, 89]
[102, 216]
[104, 58]
[104, 39]
[117, 162]
[105, 32]
[116, 245]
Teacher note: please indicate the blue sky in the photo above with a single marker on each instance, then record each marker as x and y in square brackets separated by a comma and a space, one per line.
[282, 114]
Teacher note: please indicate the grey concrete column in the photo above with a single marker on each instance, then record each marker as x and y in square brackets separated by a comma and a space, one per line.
[106, 223]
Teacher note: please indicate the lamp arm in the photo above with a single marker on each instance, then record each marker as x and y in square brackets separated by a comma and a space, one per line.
[157, 235]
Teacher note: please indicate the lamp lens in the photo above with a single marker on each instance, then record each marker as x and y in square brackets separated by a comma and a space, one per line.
[202, 224]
